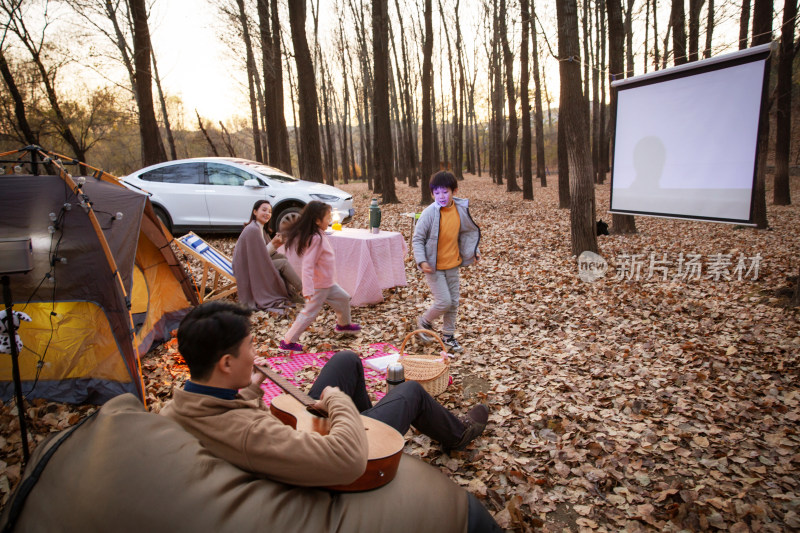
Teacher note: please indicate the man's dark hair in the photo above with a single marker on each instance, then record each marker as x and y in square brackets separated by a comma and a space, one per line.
[208, 332]
[444, 178]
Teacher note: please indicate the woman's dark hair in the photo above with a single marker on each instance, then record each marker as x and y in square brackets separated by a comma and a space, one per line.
[299, 234]
[208, 332]
[444, 178]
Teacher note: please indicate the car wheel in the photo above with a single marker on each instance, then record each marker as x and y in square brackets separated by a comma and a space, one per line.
[290, 214]
[163, 217]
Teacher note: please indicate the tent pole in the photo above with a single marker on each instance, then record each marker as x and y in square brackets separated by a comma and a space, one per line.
[11, 330]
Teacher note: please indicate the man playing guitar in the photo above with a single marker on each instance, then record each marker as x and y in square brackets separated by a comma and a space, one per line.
[222, 406]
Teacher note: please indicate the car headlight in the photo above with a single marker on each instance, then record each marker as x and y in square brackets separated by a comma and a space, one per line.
[325, 197]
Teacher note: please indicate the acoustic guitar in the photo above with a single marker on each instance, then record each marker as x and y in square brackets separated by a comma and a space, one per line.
[385, 444]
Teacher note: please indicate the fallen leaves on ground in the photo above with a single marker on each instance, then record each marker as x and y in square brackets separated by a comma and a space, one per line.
[620, 404]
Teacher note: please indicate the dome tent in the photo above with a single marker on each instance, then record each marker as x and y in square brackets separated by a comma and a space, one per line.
[105, 283]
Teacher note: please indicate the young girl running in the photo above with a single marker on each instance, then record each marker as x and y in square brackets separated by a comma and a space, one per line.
[307, 237]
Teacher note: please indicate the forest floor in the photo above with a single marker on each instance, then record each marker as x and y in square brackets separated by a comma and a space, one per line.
[631, 402]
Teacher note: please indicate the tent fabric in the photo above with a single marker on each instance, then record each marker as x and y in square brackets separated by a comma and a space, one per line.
[88, 241]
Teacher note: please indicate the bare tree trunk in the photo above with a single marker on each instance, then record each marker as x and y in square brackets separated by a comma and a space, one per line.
[162, 100]
[343, 120]
[497, 101]
[538, 116]
[678, 19]
[603, 151]
[781, 194]
[226, 140]
[306, 94]
[563, 158]
[709, 29]
[152, 148]
[205, 134]
[762, 34]
[332, 166]
[646, 34]
[251, 82]
[427, 113]
[380, 101]
[656, 56]
[629, 39]
[19, 105]
[619, 223]
[268, 111]
[513, 125]
[596, 113]
[410, 123]
[284, 160]
[525, 149]
[462, 99]
[694, 28]
[744, 24]
[571, 117]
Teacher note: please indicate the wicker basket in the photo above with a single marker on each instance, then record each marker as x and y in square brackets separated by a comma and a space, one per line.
[431, 371]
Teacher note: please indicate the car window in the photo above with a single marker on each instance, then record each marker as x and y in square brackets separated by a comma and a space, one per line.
[268, 171]
[186, 173]
[219, 174]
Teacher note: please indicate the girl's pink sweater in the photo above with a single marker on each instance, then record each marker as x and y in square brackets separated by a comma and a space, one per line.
[319, 268]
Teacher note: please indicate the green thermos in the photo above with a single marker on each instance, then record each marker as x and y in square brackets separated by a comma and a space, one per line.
[374, 216]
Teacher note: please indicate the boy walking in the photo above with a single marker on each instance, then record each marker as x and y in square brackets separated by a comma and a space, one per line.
[446, 238]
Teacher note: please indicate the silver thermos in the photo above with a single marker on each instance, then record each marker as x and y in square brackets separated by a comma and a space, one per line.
[395, 375]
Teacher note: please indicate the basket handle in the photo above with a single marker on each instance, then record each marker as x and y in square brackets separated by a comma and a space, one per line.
[432, 333]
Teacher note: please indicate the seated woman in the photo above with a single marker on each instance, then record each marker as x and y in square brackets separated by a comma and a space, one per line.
[265, 279]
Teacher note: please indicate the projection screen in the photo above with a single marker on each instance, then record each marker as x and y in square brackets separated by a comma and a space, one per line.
[686, 137]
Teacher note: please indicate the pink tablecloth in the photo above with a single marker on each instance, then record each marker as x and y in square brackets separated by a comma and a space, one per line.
[366, 263]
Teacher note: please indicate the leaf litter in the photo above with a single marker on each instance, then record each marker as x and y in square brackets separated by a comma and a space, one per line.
[632, 402]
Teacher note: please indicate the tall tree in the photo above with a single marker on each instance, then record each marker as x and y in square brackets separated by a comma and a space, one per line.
[496, 70]
[251, 81]
[572, 118]
[629, 39]
[695, 6]
[619, 223]
[678, 21]
[380, 101]
[152, 147]
[781, 195]
[538, 116]
[511, 135]
[762, 34]
[311, 161]
[744, 24]
[164, 115]
[284, 160]
[525, 149]
[709, 29]
[28, 136]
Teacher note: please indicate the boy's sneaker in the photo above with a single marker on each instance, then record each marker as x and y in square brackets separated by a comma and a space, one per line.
[475, 423]
[349, 329]
[422, 324]
[451, 342]
[291, 346]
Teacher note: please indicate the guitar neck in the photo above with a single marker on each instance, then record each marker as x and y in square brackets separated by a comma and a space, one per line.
[284, 384]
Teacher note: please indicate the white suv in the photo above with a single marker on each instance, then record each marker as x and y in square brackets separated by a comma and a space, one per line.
[216, 194]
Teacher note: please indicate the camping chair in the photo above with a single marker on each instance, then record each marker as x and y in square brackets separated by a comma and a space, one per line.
[213, 261]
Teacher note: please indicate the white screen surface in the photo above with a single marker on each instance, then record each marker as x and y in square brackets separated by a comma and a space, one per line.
[686, 146]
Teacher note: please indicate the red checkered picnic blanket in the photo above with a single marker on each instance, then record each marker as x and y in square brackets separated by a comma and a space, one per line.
[292, 368]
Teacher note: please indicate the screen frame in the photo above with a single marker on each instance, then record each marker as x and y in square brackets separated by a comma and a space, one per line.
[750, 55]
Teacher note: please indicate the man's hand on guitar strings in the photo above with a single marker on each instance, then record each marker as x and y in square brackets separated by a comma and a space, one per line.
[318, 408]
